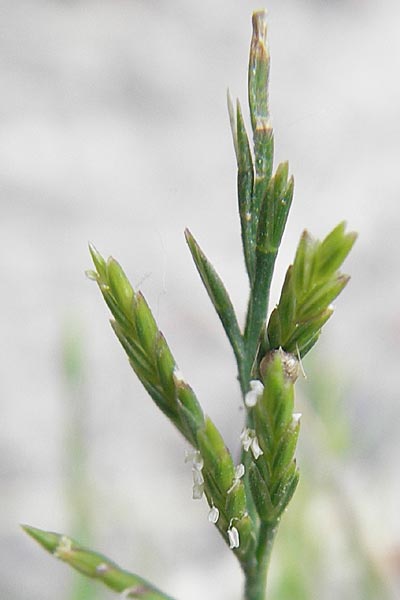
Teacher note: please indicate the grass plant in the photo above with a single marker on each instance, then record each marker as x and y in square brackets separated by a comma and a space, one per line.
[246, 500]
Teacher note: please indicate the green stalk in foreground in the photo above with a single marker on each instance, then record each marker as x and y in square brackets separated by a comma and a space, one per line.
[246, 500]
[95, 566]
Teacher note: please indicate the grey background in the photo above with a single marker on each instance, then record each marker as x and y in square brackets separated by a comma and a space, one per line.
[114, 129]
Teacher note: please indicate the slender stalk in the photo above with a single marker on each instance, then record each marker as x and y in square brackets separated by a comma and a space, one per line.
[257, 311]
[95, 565]
[256, 576]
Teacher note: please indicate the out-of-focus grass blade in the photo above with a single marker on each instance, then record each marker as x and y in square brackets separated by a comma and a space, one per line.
[95, 565]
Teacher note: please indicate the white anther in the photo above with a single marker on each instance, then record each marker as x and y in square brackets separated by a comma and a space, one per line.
[249, 441]
[198, 490]
[246, 437]
[255, 448]
[198, 462]
[256, 386]
[198, 478]
[213, 515]
[239, 472]
[256, 390]
[195, 458]
[233, 536]
[250, 399]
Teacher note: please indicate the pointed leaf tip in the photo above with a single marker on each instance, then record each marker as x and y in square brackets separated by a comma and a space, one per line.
[47, 539]
[217, 294]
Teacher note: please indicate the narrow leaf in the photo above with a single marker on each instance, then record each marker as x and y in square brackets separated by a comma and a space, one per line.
[218, 295]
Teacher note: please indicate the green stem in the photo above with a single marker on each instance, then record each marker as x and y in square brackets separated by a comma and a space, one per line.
[243, 373]
[257, 311]
[256, 576]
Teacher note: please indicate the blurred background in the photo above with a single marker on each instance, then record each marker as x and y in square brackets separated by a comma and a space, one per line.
[114, 129]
